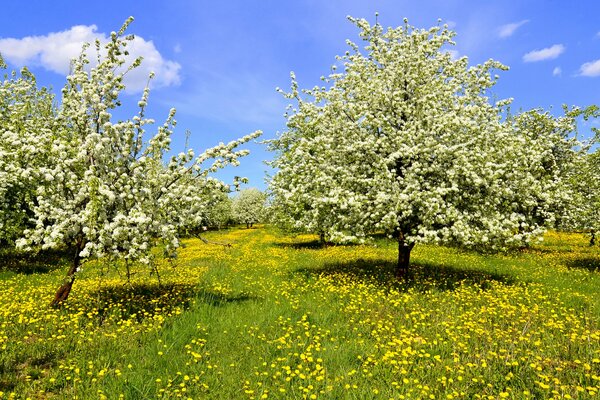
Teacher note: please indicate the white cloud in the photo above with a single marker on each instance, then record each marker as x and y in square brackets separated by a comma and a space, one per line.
[591, 68]
[177, 48]
[557, 71]
[55, 51]
[509, 29]
[454, 54]
[548, 53]
[239, 98]
[451, 24]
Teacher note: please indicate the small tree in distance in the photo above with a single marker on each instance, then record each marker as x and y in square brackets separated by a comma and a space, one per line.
[248, 206]
[406, 141]
[220, 212]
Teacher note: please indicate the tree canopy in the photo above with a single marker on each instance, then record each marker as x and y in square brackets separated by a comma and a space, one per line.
[409, 141]
[248, 206]
[24, 108]
[106, 188]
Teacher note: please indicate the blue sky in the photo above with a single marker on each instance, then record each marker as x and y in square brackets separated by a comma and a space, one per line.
[218, 63]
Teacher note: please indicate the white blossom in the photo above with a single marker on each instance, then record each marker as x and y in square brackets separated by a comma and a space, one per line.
[248, 207]
[107, 190]
[406, 141]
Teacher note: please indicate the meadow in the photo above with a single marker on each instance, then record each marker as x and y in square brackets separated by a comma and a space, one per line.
[276, 316]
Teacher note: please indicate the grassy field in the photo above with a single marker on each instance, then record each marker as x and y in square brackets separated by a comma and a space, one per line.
[280, 317]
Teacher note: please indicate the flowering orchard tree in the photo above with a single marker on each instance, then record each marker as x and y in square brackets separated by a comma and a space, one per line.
[406, 141]
[211, 211]
[219, 214]
[108, 191]
[555, 160]
[588, 210]
[583, 212]
[248, 206]
[24, 110]
[304, 192]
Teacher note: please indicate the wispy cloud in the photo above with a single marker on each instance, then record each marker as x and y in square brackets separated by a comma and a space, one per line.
[557, 71]
[242, 98]
[591, 68]
[55, 51]
[548, 53]
[454, 54]
[509, 29]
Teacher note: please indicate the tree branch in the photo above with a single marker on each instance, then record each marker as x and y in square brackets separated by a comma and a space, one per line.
[211, 242]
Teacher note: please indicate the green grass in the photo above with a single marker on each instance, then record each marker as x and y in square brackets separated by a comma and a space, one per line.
[279, 317]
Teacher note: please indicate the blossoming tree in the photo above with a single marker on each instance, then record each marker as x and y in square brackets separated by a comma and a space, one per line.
[406, 140]
[109, 192]
[248, 206]
[582, 212]
[24, 109]
[219, 214]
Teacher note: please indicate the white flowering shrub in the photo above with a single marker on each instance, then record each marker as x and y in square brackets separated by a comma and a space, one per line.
[108, 191]
[25, 139]
[248, 206]
[406, 140]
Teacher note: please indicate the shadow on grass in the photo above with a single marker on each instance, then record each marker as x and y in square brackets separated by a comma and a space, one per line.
[421, 276]
[142, 301]
[589, 263]
[312, 245]
[219, 299]
[7, 376]
[31, 263]
[27, 364]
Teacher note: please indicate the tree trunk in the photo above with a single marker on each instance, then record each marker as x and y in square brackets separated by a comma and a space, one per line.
[404, 250]
[247, 225]
[322, 238]
[63, 291]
